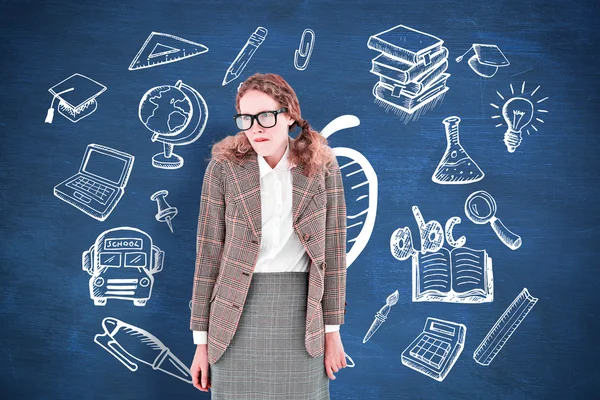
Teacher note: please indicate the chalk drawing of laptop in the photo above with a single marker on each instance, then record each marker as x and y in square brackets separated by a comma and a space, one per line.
[100, 183]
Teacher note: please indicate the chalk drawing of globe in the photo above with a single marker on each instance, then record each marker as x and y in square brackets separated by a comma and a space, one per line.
[165, 110]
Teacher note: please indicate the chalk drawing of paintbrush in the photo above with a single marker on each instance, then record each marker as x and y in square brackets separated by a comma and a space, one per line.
[381, 315]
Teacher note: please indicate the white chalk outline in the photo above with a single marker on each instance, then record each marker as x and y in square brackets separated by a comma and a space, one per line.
[444, 174]
[165, 213]
[92, 193]
[365, 218]
[188, 133]
[509, 238]
[369, 212]
[504, 327]
[381, 315]
[474, 62]
[431, 234]
[513, 134]
[303, 53]
[165, 361]
[74, 112]
[450, 334]
[441, 272]
[408, 61]
[245, 55]
[360, 241]
[175, 49]
[427, 102]
[117, 280]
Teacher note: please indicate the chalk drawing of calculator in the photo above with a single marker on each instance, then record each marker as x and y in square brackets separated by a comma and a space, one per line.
[436, 349]
[100, 183]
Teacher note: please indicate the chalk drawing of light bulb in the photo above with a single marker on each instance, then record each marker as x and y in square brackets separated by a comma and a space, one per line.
[517, 112]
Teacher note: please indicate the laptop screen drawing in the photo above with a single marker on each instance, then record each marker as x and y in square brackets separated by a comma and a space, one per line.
[102, 164]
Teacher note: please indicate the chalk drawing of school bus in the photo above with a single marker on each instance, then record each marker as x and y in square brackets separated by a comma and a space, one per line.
[122, 262]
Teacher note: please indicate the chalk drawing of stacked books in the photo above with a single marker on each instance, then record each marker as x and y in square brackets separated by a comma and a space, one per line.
[411, 68]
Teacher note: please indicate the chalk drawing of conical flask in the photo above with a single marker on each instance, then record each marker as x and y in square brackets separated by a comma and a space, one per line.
[455, 167]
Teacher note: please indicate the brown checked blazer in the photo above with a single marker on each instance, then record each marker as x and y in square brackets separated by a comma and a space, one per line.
[228, 243]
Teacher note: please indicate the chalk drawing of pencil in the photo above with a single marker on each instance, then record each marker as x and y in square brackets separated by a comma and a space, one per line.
[245, 54]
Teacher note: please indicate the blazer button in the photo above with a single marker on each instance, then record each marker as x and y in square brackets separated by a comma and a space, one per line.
[323, 266]
[306, 236]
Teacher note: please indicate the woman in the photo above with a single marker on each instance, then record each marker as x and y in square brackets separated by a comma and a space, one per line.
[270, 281]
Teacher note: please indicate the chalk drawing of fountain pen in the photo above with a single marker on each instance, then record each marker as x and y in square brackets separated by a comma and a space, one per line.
[381, 315]
[128, 344]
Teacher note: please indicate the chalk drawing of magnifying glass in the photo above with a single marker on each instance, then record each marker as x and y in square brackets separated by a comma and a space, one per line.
[480, 207]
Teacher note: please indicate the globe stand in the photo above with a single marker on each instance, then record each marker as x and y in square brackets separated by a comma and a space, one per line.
[193, 109]
[167, 159]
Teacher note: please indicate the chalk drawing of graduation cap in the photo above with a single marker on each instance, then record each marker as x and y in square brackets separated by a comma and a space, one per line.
[486, 60]
[77, 96]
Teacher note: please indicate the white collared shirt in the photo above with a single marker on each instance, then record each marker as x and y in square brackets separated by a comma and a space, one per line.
[280, 248]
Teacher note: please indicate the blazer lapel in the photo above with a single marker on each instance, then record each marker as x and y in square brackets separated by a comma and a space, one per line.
[303, 190]
[247, 185]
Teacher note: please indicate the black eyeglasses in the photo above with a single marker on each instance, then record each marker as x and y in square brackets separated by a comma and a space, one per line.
[266, 119]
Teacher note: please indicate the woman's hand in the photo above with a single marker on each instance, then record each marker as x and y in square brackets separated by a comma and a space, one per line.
[199, 369]
[335, 358]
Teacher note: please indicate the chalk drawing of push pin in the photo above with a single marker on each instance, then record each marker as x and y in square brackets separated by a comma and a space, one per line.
[165, 212]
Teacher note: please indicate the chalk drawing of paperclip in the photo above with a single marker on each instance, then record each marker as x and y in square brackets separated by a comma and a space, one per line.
[307, 42]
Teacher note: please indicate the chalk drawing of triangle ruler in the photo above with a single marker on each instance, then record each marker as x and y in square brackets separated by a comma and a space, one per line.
[162, 48]
[506, 325]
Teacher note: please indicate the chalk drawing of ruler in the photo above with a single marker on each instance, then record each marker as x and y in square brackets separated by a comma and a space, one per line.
[506, 325]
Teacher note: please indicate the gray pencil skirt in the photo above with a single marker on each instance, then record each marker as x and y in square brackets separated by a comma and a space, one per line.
[267, 359]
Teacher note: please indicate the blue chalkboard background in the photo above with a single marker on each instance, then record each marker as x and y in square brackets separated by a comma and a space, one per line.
[546, 191]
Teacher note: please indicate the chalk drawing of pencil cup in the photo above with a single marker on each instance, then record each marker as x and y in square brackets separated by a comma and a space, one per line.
[122, 262]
